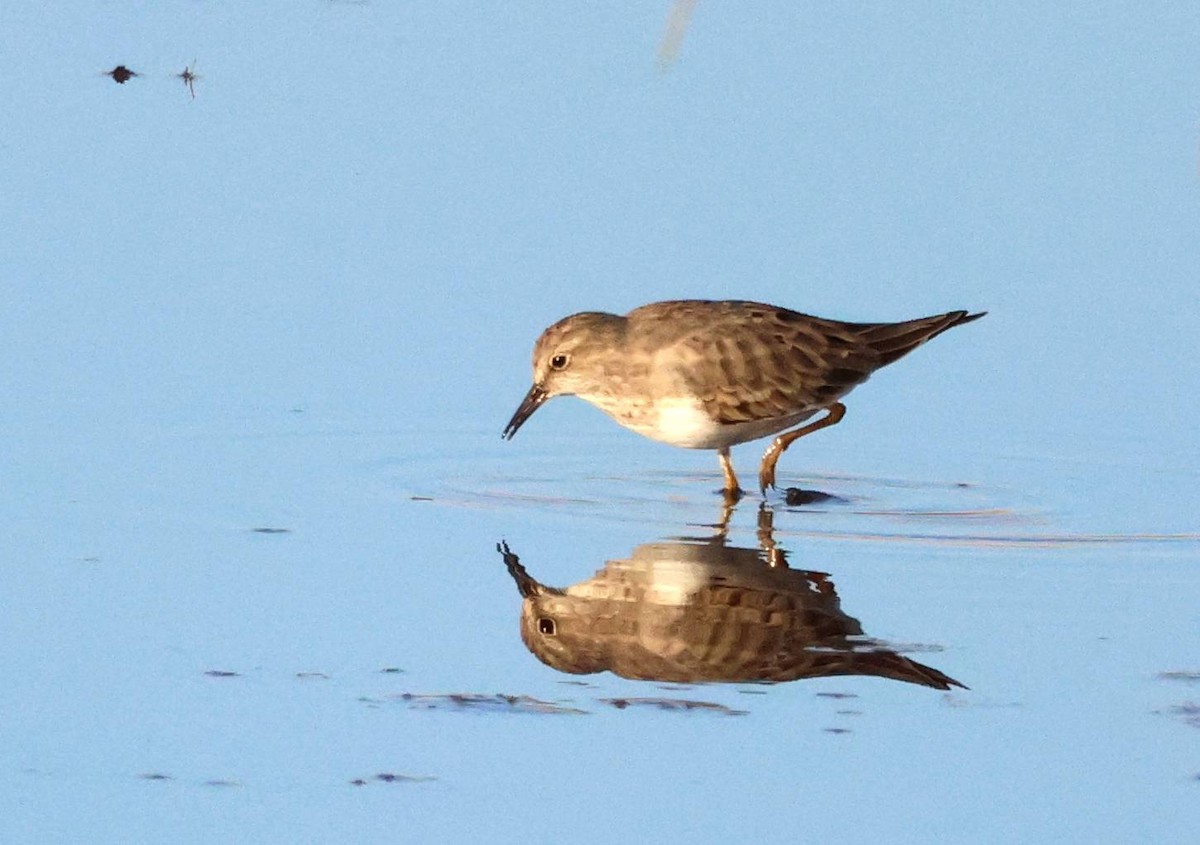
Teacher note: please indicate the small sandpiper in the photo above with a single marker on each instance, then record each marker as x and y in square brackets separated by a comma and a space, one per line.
[704, 374]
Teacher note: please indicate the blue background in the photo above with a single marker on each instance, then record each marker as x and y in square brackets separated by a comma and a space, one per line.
[308, 295]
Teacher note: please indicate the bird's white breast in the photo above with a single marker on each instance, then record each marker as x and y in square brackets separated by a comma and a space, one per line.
[682, 421]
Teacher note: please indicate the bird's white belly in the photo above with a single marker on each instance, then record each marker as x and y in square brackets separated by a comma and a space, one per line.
[683, 422]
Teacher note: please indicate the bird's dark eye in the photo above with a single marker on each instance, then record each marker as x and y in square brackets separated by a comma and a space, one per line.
[559, 362]
[546, 626]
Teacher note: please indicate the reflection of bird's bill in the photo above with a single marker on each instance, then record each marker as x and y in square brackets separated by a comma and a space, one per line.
[527, 585]
[533, 400]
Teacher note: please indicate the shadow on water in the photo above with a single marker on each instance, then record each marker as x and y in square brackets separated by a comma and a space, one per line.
[704, 611]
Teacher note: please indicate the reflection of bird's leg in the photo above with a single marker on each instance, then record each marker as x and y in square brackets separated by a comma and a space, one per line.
[766, 474]
[775, 556]
[731, 490]
[722, 526]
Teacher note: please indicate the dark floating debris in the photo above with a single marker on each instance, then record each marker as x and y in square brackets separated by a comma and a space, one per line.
[312, 676]
[155, 776]
[266, 530]
[837, 695]
[121, 74]
[498, 703]
[674, 704]
[391, 777]
[221, 673]
[189, 77]
[838, 730]
[1188, 712]
[391, 670]
[420, 498]
[1190, 677]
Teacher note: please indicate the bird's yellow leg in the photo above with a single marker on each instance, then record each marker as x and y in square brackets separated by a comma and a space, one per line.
[766, 473]
[731, 491]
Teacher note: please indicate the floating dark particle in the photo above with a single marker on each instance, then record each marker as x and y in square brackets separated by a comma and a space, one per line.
[121, 74]
[189, 77]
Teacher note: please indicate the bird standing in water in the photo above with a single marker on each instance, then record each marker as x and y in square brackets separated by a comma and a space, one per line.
[705, 374]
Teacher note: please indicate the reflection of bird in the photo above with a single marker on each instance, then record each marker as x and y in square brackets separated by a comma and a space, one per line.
[121, 74]
[685, 612]
[708, 375]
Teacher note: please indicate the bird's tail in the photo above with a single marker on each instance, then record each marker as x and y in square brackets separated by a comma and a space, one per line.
[892, 341]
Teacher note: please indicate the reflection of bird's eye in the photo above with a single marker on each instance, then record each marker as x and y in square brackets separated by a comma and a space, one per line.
[559, 362]
[546, 626]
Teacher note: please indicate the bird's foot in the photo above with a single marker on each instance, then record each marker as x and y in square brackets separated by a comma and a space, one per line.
[732, 495]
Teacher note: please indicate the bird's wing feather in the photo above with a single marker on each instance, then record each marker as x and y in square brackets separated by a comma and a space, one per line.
[756, 362]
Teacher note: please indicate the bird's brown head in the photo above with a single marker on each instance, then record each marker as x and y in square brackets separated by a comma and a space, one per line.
[568, 358]
[560, 631]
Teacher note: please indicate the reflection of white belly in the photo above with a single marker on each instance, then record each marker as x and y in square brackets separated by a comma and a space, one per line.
[683, 422]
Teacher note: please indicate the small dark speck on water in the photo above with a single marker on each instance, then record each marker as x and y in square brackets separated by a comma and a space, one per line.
[121, 74]
[673, 704]
[155, 776]
[221, 782]
[391, 670]
[421, 498]
[837, 730]
[837, 695]
[1179, 676]
[221, 673]
[312, 676]
[271, 530]
[391, 777]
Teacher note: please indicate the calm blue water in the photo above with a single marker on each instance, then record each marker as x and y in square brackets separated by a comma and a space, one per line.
[144, 579]
[257, 349]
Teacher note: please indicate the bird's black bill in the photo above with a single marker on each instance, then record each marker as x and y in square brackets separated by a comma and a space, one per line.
[532, 401]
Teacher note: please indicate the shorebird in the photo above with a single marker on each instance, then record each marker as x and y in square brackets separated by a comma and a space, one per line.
[705, 374]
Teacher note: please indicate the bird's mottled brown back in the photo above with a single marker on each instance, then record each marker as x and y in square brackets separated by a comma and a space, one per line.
[748, 361]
